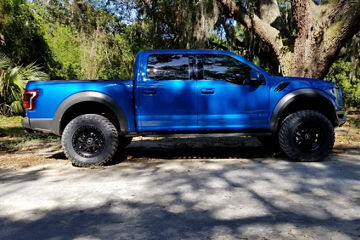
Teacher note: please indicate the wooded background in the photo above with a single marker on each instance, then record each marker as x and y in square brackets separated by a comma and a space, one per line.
[99, 39]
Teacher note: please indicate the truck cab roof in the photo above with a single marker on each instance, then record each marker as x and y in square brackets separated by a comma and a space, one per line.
[189, 51]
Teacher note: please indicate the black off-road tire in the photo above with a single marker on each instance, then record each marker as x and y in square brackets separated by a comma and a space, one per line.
[124, 141]
[306, 136]
[89, 140]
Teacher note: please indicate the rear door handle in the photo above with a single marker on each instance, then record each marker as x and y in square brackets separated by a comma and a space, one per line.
[208, 90]
[149, 91]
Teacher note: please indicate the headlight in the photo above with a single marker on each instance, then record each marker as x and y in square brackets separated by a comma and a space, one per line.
[333, 91]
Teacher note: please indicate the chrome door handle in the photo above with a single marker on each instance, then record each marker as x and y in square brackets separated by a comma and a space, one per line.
[149, 91]
[208, 90]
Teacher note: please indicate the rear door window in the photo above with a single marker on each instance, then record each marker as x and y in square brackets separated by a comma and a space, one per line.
[168, 67]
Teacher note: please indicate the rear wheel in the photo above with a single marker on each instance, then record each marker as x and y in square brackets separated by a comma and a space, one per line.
[89, 140]
[306, 136]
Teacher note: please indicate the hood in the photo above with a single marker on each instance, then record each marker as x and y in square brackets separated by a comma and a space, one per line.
[306, 82]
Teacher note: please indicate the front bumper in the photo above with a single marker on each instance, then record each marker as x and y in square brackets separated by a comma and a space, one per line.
[340, 117]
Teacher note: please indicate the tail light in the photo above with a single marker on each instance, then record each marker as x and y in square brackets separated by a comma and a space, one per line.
[29, 98]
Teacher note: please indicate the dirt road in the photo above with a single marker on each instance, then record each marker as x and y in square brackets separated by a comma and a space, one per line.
[179, 189]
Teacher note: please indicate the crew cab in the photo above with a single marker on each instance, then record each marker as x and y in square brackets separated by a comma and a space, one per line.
[186, 92]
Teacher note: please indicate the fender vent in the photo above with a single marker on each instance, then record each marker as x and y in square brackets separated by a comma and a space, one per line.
[281, 86]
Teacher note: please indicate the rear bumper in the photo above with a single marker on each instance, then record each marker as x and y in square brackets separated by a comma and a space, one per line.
[39, 124]
[340, 117]
[25, 122]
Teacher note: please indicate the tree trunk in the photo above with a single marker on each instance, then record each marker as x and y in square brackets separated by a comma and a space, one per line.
[322, 30]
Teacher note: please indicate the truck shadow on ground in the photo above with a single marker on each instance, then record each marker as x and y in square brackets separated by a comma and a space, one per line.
[200, 148]
[191, 148]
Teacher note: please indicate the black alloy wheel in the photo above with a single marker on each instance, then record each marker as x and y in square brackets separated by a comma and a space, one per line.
[88, 141]
[309, 137]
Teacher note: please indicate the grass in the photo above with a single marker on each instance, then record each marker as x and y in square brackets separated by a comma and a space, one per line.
[355, 122]
[13, 137]
[10, 121]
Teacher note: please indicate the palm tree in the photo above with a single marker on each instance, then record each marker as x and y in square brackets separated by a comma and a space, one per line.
[13, 80]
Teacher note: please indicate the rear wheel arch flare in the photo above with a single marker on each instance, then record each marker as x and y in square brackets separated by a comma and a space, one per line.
[87, 99]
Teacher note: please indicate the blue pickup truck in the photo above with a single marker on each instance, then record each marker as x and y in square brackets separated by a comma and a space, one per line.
[186, 92]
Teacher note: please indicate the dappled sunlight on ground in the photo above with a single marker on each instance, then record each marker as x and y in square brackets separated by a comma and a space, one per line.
[183, 188]
[185, 199]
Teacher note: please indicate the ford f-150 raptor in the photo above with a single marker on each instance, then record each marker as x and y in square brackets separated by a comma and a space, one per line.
[186, 92]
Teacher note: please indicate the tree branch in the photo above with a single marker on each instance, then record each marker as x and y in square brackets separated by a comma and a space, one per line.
[347, 23]
[268, 11]
[268, 34]
[334, 10]
[340, 32]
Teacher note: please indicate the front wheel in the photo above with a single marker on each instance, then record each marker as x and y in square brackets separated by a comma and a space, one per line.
[89, 140]
[306, 136]
[271, 143]
[124, 141]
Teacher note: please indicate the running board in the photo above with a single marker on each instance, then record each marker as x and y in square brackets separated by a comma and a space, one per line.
[203, 135]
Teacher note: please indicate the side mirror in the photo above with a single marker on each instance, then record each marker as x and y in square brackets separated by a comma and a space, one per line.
[256, 78]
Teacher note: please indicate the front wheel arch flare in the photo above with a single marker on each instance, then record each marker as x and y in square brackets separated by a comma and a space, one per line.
[302, 99]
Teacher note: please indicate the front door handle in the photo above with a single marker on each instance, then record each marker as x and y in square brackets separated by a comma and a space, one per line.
[208, 90]
[149, 91]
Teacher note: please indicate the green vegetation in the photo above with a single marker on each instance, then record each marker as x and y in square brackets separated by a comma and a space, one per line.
[340, 73]
[13, 137]
[12, 83]
[355, 122]
[96, 39]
